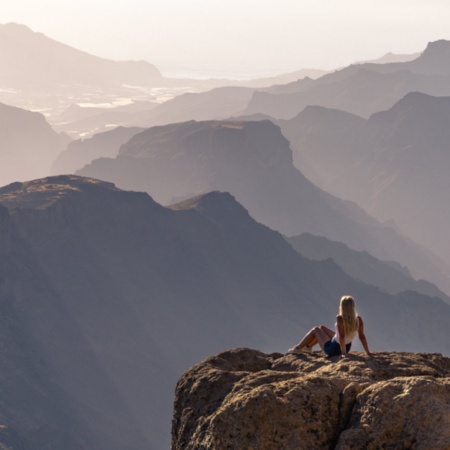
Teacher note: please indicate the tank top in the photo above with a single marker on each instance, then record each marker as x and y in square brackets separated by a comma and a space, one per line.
[348, 338]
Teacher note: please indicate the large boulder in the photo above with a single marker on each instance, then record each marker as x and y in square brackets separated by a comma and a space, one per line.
[245, 399]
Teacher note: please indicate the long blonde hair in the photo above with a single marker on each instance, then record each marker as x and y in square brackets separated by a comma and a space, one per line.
[348, 312]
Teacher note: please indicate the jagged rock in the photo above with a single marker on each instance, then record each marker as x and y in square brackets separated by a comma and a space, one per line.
[245, 399]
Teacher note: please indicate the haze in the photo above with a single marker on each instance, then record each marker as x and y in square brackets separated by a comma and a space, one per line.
[237, 39]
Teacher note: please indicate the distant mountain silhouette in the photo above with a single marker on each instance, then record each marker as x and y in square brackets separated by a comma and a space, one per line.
[40, 73]
[28, 145]
[107, 297]
[395, 164]
[388, 276]
[83, 151]
[361, 89]
[434, 60]
[392, 58]
[363, 93]
[83, 122]
[219, 103]
[56, 66]
[253, 161]
[325, 141]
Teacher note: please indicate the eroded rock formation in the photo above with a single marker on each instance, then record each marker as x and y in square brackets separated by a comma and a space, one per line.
[245, 399]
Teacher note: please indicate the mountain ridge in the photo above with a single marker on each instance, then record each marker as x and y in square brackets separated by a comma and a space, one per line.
[394, 164]
[254, 162]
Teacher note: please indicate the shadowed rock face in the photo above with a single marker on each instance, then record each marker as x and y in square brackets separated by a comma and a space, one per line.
[244, 398]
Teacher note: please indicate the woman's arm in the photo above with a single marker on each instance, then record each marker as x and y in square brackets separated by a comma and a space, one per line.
[341, 329]
[362, 336]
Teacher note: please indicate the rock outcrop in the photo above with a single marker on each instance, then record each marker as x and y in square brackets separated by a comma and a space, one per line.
[245, 399]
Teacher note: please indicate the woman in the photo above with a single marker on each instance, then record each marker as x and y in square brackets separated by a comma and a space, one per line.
[338, 342]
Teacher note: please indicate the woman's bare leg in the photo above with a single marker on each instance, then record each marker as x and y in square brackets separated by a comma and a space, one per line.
[316, 335]
[327, 331]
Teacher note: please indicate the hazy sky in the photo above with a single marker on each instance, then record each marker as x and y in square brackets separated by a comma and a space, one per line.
[240, 37]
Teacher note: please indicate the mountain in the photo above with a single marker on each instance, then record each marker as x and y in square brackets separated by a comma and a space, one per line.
[59, 67]
[253, 161]
[82, 122]
[388, 276]
[243, 398]
[28, 145]
[363, 92]
[324, 141]
[392, 58]
[395, 164]
[83, 151]
[219, 103]
[82, 94]
[360, 89]
[106, 297]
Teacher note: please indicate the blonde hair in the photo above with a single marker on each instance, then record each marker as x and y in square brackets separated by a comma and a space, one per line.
[348, 312]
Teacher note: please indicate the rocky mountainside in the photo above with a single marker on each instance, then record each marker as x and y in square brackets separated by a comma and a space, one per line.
[253, 161]
[395, 164]
[28, 145]
[106, 297]
[244, 398]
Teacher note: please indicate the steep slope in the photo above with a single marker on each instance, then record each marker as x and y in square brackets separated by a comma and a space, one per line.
[243, 398]
[324, 142]
[107, 297]
[28, 145]
[395, 165]
[252, 161]
[388, 276]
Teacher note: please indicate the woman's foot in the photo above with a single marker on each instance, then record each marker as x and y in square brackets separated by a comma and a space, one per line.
[296, 350]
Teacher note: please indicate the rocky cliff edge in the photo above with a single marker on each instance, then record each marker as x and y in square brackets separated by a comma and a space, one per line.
[245, 399]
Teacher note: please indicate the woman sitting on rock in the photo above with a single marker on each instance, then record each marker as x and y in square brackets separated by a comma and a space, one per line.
[338, 342]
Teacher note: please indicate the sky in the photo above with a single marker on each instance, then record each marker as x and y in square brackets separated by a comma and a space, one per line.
[238, 38]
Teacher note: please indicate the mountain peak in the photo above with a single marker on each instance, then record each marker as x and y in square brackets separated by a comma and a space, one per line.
[435, 59]
[15, 27]
[44, 192]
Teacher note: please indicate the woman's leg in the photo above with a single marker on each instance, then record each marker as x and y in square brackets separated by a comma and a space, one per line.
[327, 331]
[316, 335]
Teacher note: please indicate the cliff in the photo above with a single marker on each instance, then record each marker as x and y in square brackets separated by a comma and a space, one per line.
[246, 399]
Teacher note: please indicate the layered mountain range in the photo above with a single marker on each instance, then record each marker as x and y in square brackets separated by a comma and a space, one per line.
[253, 161]
[106, 297]
[361, 89]
[395, 164]
[83, 94]
[34, 61]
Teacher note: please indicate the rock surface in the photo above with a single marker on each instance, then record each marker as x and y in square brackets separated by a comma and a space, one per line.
[245, 399]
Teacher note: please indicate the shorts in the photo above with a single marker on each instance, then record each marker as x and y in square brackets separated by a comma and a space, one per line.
[333, 348]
